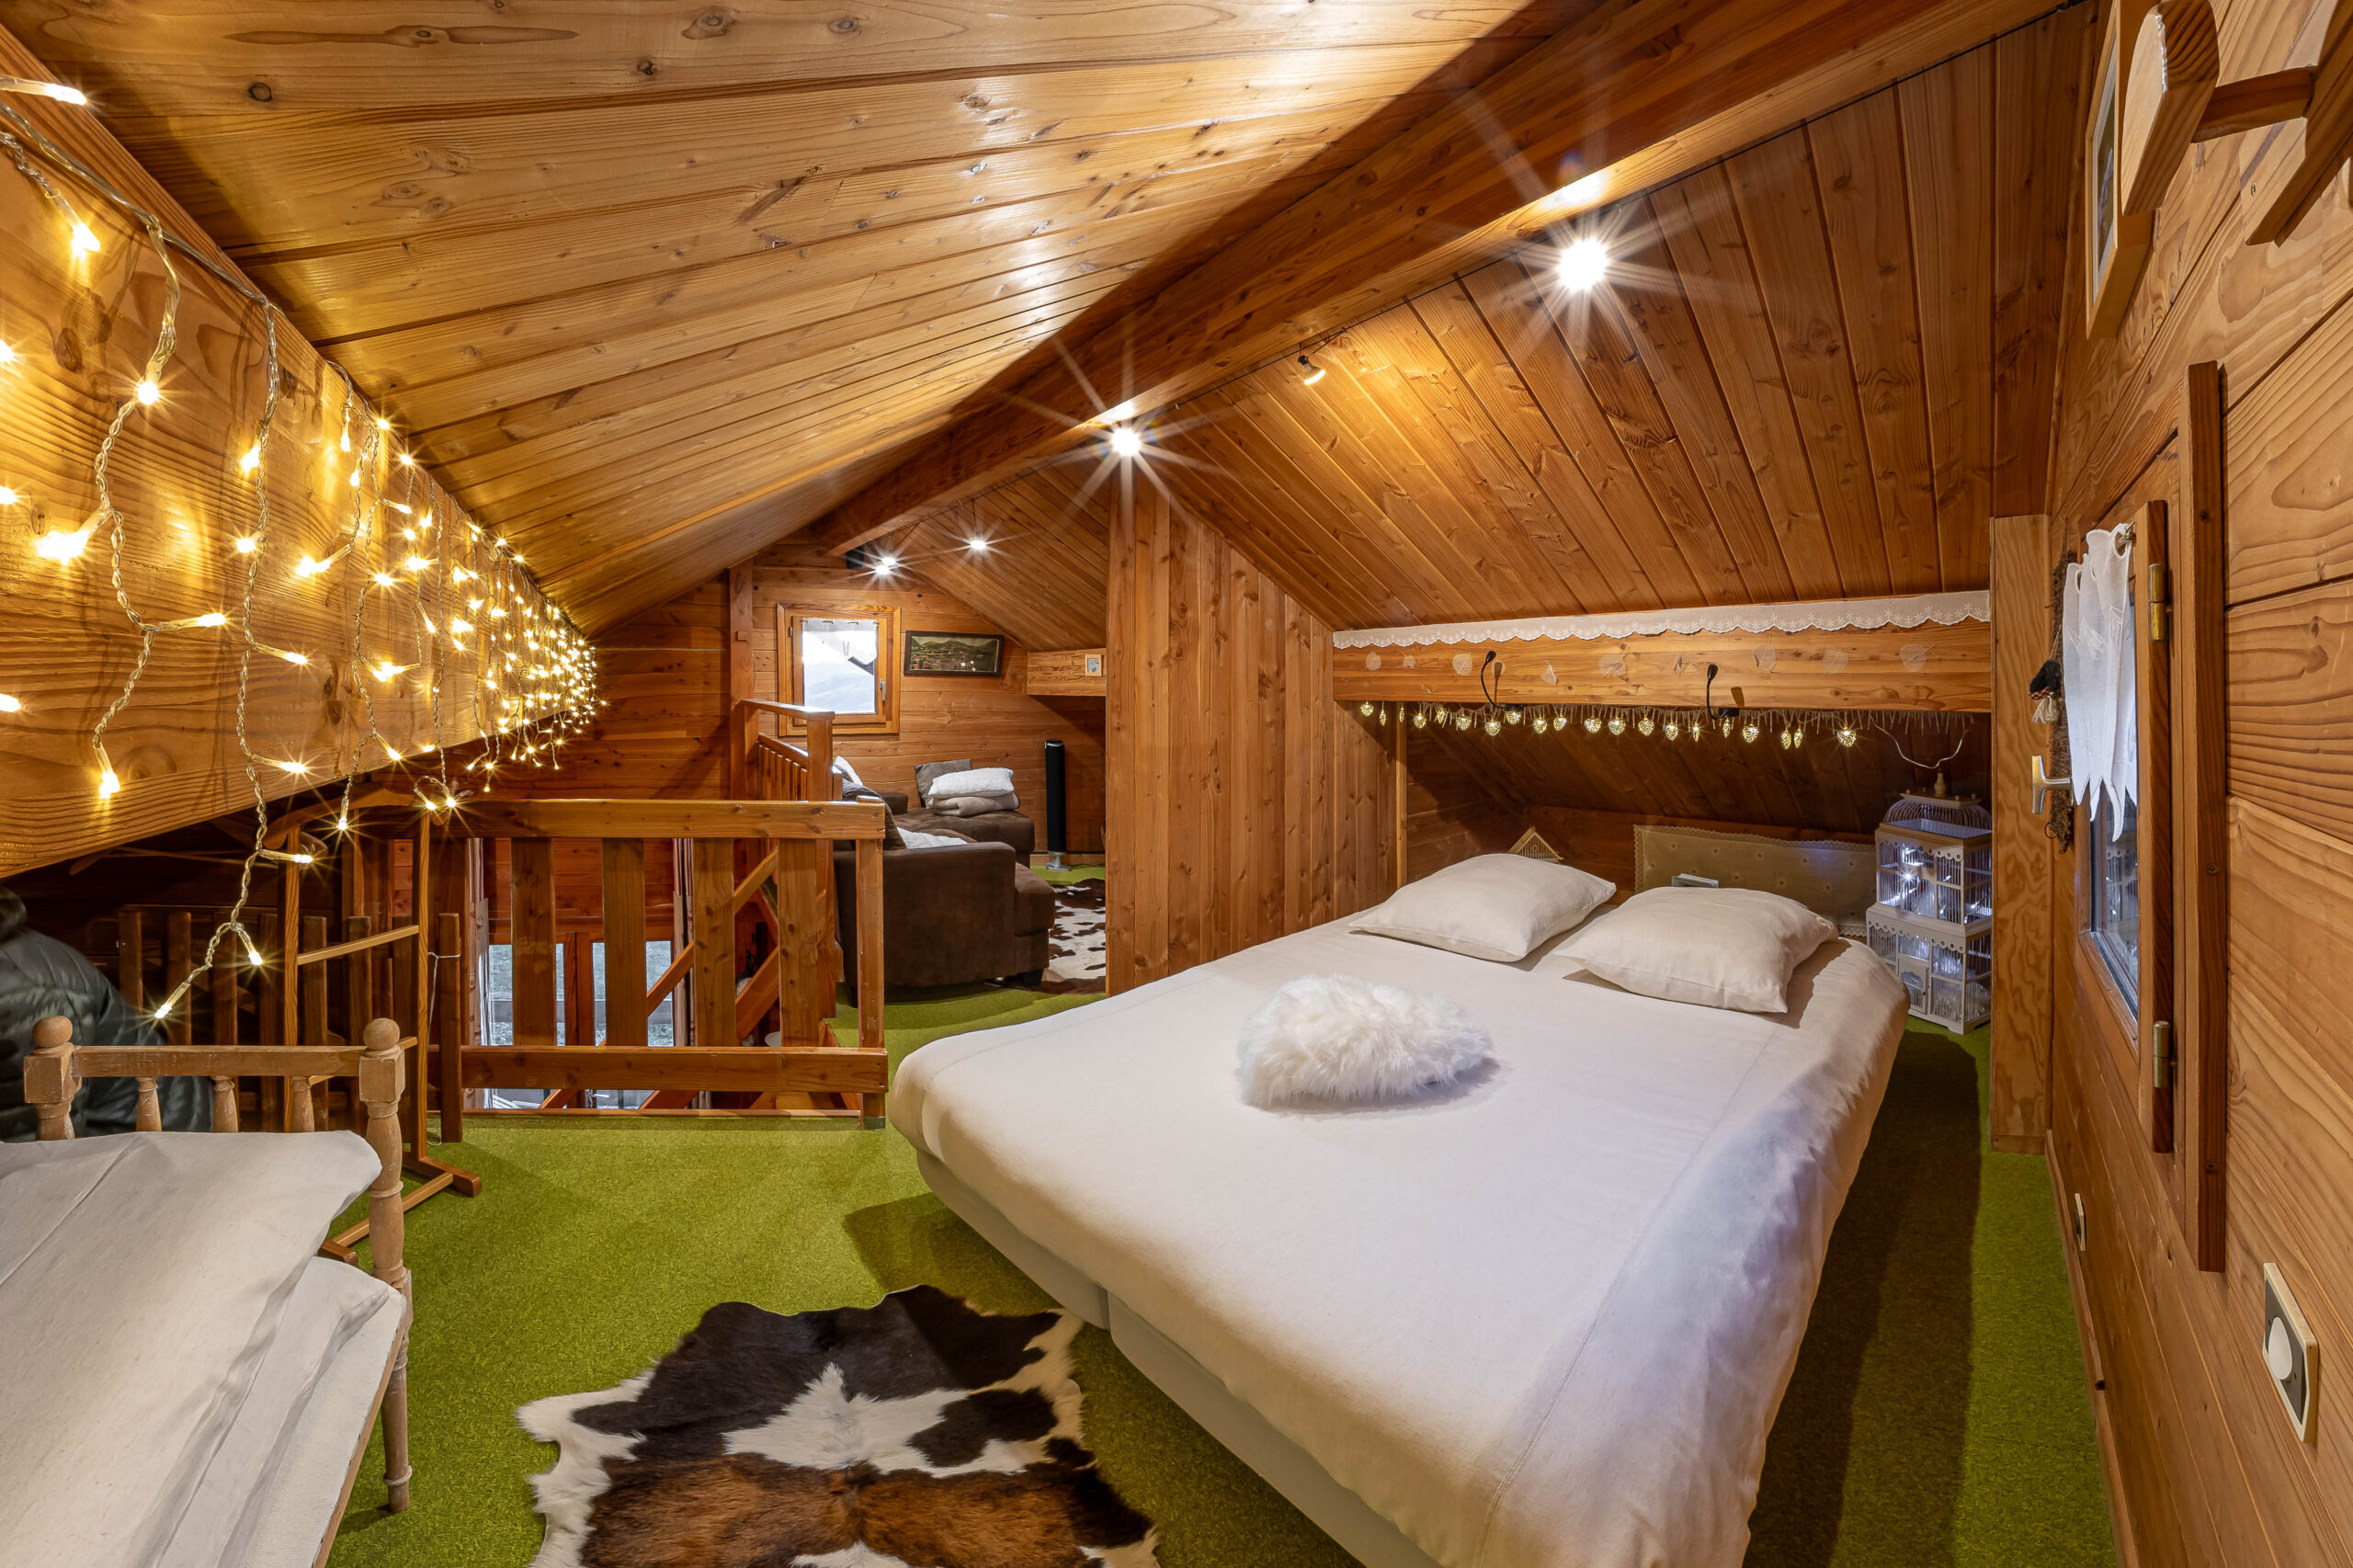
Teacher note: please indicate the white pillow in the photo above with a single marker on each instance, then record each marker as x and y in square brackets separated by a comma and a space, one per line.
[973, 781]
[929, 840]
[1335, 1037]
[1719, 947]
[1499, 907]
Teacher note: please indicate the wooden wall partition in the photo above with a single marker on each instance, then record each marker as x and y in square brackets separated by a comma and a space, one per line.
[2207, 1468]
[1245, 803]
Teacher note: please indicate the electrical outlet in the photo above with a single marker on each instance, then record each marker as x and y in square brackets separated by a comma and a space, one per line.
[2290, 1353]
[2079, 1221]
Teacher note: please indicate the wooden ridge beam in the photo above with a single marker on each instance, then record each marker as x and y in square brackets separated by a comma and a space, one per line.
[1639, 92]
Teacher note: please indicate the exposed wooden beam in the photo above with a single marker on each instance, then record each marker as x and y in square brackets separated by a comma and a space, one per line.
[1638, 92]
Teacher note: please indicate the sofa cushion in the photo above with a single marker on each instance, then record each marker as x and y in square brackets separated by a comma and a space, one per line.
[1033, 902]
[995, 827]
[927, 771]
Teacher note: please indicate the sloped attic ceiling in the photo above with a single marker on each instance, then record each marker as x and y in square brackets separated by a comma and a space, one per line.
[650, 284]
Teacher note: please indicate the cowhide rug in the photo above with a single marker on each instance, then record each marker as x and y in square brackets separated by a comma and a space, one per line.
[919, 1433]
[1076, 961]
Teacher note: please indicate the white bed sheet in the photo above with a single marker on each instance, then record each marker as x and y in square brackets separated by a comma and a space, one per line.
[1543, 1320]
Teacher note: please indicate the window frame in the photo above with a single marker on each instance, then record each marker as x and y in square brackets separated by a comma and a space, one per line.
[2127, 1024]
[888, 646]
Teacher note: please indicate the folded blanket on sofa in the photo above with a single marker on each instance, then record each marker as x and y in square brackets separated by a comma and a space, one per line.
[976, 805]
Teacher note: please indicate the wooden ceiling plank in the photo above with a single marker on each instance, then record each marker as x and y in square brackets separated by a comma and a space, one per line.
[1438, 195]
[1294, 463]
[1584, 543]
[375, 55]
[1304, 539]
[1859, 185]
[1340, 415]
[298, 179]
[1949, 162]
[575, 458]
[1547, 367]
[1773, 191]
[1704, 234]
[1409, 380]
[1651, 295]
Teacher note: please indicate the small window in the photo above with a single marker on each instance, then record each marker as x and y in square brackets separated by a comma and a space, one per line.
[844, 662]
[2113, 868]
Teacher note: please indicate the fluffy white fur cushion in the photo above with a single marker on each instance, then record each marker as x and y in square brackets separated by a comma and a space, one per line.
[972, 781]
[1335, 1037]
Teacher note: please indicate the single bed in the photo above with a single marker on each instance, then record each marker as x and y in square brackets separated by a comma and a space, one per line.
[1542, 1320]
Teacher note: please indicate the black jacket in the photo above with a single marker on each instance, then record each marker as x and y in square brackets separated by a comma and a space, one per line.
[42, 978]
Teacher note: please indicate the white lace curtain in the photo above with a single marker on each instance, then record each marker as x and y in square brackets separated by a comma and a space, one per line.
[2102, 682]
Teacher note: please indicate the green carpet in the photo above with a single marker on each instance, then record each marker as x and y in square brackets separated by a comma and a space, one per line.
[1073, 874]
[1938, 1415]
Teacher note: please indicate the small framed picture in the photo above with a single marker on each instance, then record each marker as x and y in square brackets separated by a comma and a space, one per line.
[954, 653]
[2118, 241]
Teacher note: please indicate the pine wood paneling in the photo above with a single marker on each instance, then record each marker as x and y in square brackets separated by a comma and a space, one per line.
[2206, 1462]
[2023, 950]
[1245, 803]
[1041, 577]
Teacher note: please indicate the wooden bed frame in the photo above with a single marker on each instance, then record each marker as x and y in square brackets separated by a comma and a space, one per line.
[55, 1071]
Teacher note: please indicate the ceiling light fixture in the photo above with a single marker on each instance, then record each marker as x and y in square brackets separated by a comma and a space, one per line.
[1585, 264]
[978, 545]
[1125, 442]
[1314, 372]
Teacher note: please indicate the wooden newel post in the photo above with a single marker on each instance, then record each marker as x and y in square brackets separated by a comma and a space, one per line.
[380, 1092]
[51, 1081]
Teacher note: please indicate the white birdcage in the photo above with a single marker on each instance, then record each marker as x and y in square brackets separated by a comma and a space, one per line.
[1934, 922]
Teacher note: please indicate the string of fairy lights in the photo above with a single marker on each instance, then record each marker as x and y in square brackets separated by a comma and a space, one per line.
[462, 605]
[1691, 725]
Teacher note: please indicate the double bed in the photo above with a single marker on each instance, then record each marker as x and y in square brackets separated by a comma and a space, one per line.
[1540, 1319]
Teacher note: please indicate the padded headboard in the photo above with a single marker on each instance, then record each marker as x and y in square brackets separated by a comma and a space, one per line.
[1836, 879]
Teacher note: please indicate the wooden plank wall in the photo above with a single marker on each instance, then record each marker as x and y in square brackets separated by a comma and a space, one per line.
[2207, 1467]
[1245, 803]
[78, 330]
[995, 721]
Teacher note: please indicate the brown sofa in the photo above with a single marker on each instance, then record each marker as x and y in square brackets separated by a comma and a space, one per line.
[989, 828]
[951, 916]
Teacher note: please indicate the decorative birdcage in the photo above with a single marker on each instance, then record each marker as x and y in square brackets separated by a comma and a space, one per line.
[1934, 922]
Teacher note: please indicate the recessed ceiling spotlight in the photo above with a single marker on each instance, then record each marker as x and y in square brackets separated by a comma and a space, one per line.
[1584, 263]
[977, 545]
[1125, 442]
[886, 563]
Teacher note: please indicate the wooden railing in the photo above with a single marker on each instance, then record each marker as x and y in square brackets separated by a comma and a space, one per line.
[770, 768]
[760, 945]
[371, 1058]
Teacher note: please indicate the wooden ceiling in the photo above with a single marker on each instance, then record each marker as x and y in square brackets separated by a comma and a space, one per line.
[1045, 573]
[1816, 371]
[651, 284]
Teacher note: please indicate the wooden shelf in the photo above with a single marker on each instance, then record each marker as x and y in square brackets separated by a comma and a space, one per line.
[1072, 672]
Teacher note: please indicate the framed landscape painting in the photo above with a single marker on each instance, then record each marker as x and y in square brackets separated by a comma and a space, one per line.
[955, 654]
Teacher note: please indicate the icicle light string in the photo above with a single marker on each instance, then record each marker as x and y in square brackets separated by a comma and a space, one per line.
[554, 699]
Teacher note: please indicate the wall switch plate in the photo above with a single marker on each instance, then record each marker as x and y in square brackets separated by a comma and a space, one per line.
[2079, 1221]
[2290, 1353]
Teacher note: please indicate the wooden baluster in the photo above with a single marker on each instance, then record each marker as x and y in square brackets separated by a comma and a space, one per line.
[223, 987]
[821, 782]
[309, 992]
[150, 1116]
[270, 1014]
[289, 922]
[713, 893]
[360, 996]
[420, 992]
[624, 920]
[870, 965]
[380, 1095]
[450, 1026]
[51, 1081]
[130, 959]
[531, 908]
[179, 957]
[225, 1103]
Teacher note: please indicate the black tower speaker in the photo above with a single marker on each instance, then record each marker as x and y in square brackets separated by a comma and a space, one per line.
[1056, 826]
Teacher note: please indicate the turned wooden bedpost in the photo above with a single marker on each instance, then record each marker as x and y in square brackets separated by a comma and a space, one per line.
[51, 1081]
[225, 1103]
[380, 1092]
[150, 1116]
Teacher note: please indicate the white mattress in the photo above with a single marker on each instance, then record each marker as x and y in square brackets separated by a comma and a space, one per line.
[1541, 1322]
[165, 1336]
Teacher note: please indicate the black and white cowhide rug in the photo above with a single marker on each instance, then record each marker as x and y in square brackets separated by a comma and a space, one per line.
[1075, 962]
[918, 1433]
